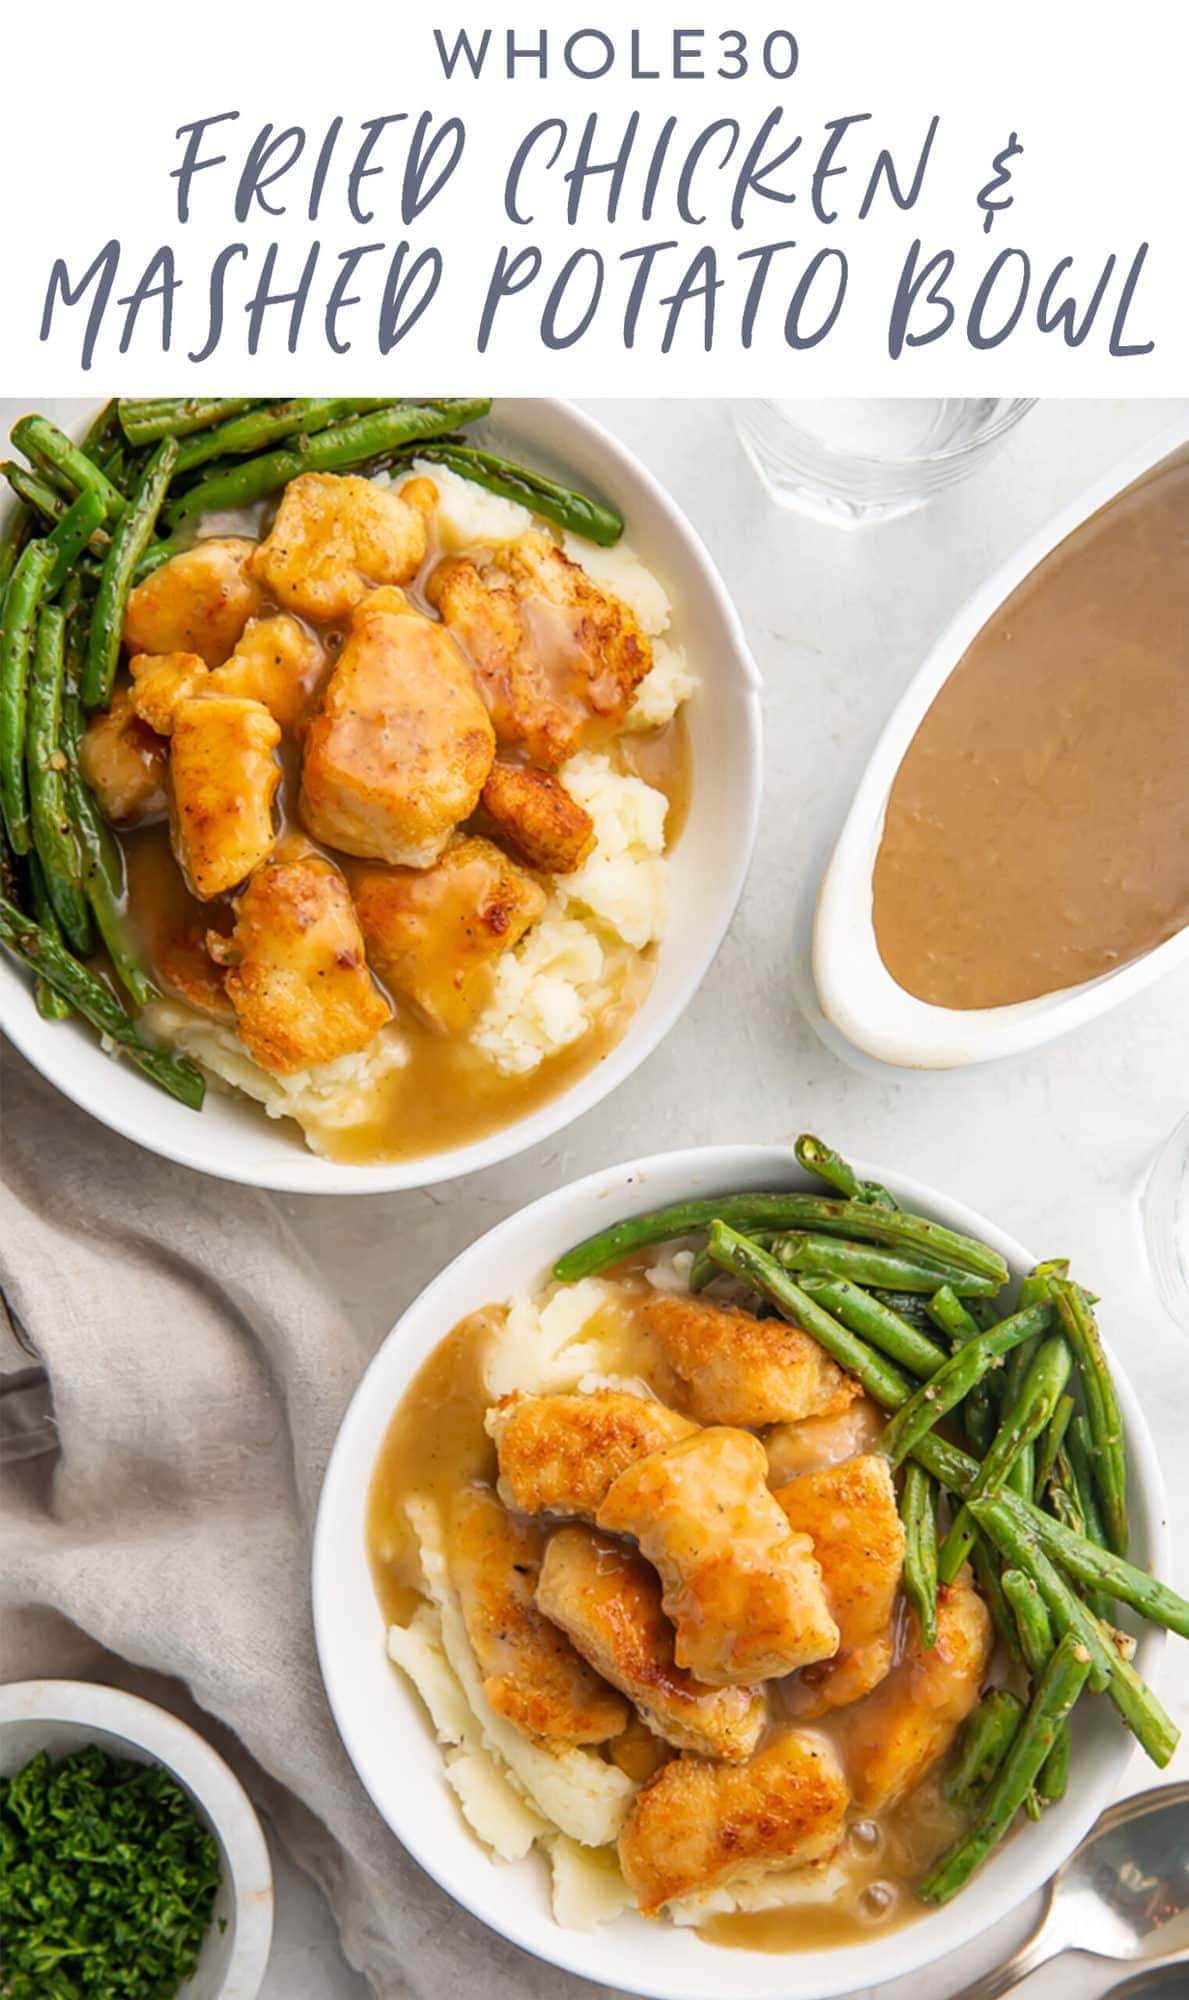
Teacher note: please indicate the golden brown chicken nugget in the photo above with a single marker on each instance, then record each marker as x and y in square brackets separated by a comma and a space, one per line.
[608, 1601]
[433, 934]
[740, 1370]
[197, 602]
[560, 1454]
[699, 1825]
[538, 818]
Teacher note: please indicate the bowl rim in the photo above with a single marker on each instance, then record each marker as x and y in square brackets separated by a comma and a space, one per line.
[297, 1169]
[604, 1197]
[857, 994]
[197, 1766]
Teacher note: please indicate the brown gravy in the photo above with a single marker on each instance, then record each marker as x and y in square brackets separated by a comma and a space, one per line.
[447, 1094]
[436, 1443]
[1037, 833]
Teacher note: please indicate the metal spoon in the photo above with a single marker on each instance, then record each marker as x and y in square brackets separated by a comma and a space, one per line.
[1123, 1894]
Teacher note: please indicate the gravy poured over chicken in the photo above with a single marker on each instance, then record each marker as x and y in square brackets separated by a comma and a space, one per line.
[681, 1501]
[393, 807]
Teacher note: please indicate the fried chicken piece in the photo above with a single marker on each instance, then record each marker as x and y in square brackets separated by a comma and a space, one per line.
[560, 1454]
[538, 818]
[744, 1592]
[296, 970]
[736, 1369]
[125, 764]
[433, 934]
[699, 1825]
[893, 1737]
[277, 662]
[817, 1442]
[608, 1601]
[336, 537]
[402, 746]
[850, 1514]
[160, 681]
[198, 602]
[531, 1673]
[224, 772]
[558, 658]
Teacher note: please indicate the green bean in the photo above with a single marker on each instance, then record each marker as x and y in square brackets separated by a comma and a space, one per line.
[50, 1005]
[1089, 1565]
[918, 1511]
[826, 1165]
[1076, 1487]
[128, 544]
[985, 1742]
[1051, 1444]
[255, 428]
[1022, 1471]
[702, 1271]
[103, 868]
[1051, 1705]
[885, 1329]
[1019, 1545]
[864, 1264]
[575, 512]
[337, 449]
[987, 1572]
[1102, 1409]
[19, 623]
[35, 490]
[71, 536]
[103, 434]
[1026, 1418]
[1033, 1623]
[1036, 1643]
[54, 841]
[18, 526]
[48, 446]
[746, 1260]
[146, 419]
[45, 956]
[945, 1390]
[907, 1305]
[779, 1212]
[979, 1414]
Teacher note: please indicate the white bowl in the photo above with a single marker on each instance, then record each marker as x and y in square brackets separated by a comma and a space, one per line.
[234, 1139]
[384, 1726]
[63, 1716]
[858, 996]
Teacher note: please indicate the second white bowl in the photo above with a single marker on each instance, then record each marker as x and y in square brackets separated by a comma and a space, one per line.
[392, 1745]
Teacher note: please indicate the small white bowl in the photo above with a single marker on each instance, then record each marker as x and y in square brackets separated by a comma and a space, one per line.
[234, 1139]
[858, 996]
[391, 1744]
[63, 1716]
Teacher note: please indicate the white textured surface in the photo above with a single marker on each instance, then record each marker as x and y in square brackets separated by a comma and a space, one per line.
[1055, 1146]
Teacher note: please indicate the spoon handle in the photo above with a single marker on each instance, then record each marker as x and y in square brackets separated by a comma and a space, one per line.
[1037, 1951]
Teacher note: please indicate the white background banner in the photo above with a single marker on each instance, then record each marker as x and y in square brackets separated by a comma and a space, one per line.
[641, 199]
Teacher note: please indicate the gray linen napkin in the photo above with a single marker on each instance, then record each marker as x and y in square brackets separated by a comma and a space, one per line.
[199, 1372]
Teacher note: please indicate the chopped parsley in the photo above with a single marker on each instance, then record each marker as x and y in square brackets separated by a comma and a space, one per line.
[107, 1880]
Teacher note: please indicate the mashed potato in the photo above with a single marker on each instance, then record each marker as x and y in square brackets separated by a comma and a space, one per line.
[328, 1099]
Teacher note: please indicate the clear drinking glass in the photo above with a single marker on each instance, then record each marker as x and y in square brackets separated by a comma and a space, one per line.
[853, 461]
[1166, 1223]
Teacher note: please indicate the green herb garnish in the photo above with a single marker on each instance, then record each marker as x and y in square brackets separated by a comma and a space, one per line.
[107, 1880]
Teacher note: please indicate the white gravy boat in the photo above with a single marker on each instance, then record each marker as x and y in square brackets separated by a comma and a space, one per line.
[858, 996]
